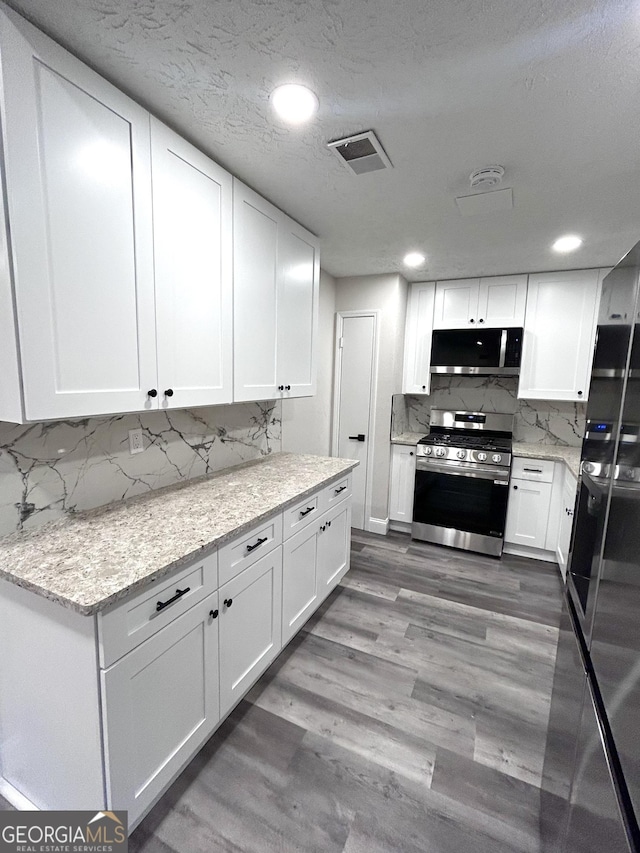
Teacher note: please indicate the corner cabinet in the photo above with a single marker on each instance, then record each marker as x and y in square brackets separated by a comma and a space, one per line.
[559, 335]
[416, 377]
[492, 302]
[276, 281]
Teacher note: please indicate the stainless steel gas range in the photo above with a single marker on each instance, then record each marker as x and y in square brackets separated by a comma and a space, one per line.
[462, 478]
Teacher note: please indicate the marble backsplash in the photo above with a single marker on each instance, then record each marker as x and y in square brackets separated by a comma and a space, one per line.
[535, 421]
[49, 469]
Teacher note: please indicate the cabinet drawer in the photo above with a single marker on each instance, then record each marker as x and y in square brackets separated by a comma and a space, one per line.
[336, 492]
[303, 513]
[130, 622]
[237, 555]
[540, 470]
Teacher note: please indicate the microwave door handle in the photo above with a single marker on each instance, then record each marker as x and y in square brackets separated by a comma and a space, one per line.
[503, 347]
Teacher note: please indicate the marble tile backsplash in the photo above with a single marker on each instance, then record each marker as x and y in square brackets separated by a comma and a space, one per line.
[535, 421]
[50, 469]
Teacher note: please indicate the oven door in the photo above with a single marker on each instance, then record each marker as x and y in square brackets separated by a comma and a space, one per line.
[460, 505]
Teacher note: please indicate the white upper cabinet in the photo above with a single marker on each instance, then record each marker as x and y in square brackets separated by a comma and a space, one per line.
[497, 302]
[417, 339]
[559, 335]
[77, 168]
[192, 210]
[275, 278]
[501, 301]
[456, 303]
[297, 314]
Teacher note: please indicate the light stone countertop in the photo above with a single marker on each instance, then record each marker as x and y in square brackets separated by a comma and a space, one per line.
[92, 559]
[552, 452]
[411, 438]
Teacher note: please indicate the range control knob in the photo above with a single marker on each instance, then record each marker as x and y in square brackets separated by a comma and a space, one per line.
[496, 457]
[461, 454]
[441, 451]
[482, 457]
[428, 451]
[589, 467]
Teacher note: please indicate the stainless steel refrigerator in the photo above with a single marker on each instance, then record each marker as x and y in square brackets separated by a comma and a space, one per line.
[590, 800]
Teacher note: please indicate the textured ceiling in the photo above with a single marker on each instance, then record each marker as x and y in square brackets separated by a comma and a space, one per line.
[547, 88]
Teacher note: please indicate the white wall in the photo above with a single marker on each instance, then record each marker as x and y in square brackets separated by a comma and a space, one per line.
[388, 295]
[306, 421]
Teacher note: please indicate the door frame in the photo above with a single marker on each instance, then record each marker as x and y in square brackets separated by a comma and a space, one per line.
[339, 328]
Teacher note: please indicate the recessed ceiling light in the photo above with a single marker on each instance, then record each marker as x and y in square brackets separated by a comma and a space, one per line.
[294, 103]
[413, 259]
[568, 243]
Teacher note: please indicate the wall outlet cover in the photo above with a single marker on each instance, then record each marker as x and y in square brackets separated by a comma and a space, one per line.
[136, 444]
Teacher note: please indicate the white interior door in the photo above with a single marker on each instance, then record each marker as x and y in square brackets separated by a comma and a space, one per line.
[355, 365]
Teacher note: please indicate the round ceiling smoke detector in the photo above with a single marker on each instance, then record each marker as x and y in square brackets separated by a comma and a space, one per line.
[487, 177]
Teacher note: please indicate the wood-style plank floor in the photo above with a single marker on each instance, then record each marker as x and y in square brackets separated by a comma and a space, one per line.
[408, 716]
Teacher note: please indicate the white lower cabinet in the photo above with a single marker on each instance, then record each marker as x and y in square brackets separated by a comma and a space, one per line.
[154, 674]
[334, 549]
[569, 489]
[540, 512]
[299, 580]
[315, 559]
[250, 627]
[528, 513]
[160, 703]
[402, 482]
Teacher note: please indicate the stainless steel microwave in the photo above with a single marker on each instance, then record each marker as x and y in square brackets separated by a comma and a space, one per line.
[477, 351]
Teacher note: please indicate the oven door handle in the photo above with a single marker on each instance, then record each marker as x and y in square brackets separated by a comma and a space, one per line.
[496, 474]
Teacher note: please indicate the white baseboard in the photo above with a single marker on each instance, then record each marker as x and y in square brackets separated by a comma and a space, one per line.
[400, 526]
[378, 525]
[531, 553]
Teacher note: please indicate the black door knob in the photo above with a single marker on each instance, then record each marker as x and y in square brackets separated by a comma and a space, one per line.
[515, 487]
[472, 320]
[411, 453]
[152, 393]
[579, 393]
[480, 320]
[228, 602]
[328, 524]
[213, 614]
[280, 387]
[168, 392]
[424, 387]
[287, 387]
[359, 437]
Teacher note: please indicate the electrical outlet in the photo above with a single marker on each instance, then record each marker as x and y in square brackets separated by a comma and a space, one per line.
[136, 444]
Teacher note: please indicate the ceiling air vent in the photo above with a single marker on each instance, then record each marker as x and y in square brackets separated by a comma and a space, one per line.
[361, 153]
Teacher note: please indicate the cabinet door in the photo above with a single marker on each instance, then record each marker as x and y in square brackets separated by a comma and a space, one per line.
[528, 513]
[334, 548]
[566, 522]
[559, 334]
[403, 475]
[297, 309]
[250, 627]
[501, 301]
[78, 177]
[299, 579]
[255, 281]
[192, 214]
[456, 304]
[417, 340]
[160, 703]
